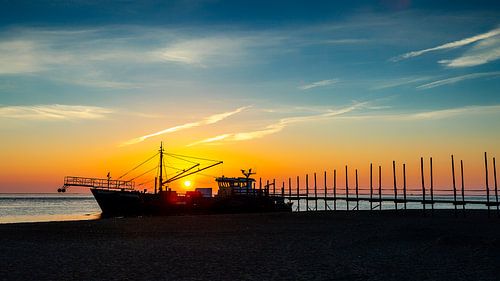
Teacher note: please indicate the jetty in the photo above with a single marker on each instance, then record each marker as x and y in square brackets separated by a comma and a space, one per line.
[306, 194]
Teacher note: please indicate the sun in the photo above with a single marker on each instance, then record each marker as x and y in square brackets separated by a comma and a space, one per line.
[187, 183]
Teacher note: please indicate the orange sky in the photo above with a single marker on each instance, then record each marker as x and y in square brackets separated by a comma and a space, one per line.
[39, 161]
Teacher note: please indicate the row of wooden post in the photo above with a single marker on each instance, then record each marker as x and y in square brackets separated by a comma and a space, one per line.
[396, 200]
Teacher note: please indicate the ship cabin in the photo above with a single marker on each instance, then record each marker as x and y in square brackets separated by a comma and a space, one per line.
[236, 186]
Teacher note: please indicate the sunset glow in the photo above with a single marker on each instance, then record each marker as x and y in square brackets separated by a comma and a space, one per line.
[85, 90]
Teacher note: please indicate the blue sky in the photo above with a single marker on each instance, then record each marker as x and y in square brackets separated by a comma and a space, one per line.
[265, 51]
[124, 70]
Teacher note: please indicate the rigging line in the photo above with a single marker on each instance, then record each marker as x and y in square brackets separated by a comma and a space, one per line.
[193, 172]
[185, 169]
[207, 175]
[192, 157]
[180, 173]
[164, 169]
[138, 166]
[175, 168]
[142, 183]
[180, 170]
[177, 157]
[142, 174]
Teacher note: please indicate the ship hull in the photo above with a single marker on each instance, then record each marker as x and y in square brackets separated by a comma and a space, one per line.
[115, 203]
[119, 203]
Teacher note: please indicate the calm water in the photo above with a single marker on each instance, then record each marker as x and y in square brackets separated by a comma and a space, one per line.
[60, 207]
[47, 207]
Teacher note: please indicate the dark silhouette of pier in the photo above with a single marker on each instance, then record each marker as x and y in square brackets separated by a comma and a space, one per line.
[426, 196]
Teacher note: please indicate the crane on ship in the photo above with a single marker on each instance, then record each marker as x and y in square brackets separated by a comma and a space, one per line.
[161, 182]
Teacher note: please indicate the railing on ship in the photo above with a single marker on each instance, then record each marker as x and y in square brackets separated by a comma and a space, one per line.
[98, 183]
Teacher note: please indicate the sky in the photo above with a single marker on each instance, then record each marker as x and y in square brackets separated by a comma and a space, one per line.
[283, 87]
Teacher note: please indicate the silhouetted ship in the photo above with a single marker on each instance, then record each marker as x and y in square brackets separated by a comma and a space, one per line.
[235, 194]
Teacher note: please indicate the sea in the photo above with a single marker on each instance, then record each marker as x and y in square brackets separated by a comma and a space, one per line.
[18, 208]
[42, 207]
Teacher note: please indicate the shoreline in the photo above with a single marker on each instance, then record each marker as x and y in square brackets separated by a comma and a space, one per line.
[18, 219]
[350, 245]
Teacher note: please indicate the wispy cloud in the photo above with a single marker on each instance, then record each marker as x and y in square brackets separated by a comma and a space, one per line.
[200, 52]
[73, 56]
[206, 121]
[429, 114]
[457, 79]
[446, 113]
[88, 80]
[321, 83]
[278, 126]
[19, 56]
[333, 42]
[54, 112]
[399, 82]
[484, 52]
[450, 45]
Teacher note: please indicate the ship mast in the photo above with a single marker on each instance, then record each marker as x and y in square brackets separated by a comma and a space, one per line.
[161, 166]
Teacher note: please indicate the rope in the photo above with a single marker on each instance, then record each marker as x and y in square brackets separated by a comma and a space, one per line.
[164, 169]
[138, 166]
[143, 174]
[142, 183]
[192, 157]
[182, 159]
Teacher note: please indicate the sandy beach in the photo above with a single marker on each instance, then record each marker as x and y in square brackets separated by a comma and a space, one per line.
[280, 246]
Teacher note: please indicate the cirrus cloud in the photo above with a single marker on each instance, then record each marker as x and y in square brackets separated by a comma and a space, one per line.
[205, 121]
[54, 112]
[279, 126]
[450, 45]
[321, 83]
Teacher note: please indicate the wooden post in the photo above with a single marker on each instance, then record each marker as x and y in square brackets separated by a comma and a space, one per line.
[395, 187]
[432, 186]
[463, 186]
[346, 189]
[423, 183]
[274, 187]
[487, 186]
[260, 184]
[267, 187]
[298, 194]
[380, 187]
[335, 190]
[404, 184]
[454, 186]
[290, 189]
[326, 191]
[307, 192]
[496, 188]
[315, 194]
[357, 193]
[371, 187]
[283, 190]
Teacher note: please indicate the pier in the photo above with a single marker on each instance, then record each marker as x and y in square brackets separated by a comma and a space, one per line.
[96, 183]
[309, 195]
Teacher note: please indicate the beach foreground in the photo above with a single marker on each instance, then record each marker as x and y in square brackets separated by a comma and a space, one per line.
[280, 246]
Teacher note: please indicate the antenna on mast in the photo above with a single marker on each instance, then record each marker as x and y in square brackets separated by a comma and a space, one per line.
[161, 167]
[247, 173]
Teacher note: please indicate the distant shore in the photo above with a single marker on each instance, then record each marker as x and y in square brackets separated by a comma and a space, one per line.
[281, 246]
